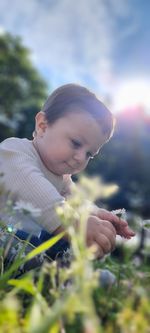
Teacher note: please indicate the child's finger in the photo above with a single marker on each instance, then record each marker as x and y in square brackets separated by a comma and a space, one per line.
[109, 231]
[119, 224]
[122, 227]
[106, 224]
[99, 253]
[125, 232]
[103, 242]
[109, 216]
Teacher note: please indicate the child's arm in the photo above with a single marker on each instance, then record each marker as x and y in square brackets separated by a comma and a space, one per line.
[25, 179]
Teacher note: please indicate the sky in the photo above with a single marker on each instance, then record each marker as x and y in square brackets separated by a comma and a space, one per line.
[101, 44]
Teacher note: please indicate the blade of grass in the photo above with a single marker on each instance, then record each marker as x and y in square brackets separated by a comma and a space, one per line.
[44, 246]
[20, 261]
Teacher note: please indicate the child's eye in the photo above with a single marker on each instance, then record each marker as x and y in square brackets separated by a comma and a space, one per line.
[76, 143]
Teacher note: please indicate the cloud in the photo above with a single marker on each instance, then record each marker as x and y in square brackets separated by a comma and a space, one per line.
[70, 41]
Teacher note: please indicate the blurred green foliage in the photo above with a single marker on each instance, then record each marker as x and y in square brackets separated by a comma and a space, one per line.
[22, 89]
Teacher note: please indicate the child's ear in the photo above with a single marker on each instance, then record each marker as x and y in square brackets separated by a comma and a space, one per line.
[40, 123]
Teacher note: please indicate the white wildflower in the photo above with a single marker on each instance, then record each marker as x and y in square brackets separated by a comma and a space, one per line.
[120, 212]
[27, 208]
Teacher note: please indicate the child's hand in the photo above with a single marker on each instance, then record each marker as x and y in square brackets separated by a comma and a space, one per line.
[120, 225]
[102, 233]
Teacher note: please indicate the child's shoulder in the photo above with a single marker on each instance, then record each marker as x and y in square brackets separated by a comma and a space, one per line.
[14, 143]
[17, 147]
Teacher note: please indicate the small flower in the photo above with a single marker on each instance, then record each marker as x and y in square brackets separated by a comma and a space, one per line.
[27, 208]
[67, 256]
[120, 212]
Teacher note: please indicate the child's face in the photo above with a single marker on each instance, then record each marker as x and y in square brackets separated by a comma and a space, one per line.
[67, 145]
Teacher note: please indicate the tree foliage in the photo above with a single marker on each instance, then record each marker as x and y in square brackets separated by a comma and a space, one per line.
[22, 89]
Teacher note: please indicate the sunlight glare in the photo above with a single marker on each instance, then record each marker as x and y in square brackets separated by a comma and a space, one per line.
[132, 93]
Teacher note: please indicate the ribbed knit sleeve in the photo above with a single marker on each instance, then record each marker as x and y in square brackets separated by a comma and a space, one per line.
[25, 180]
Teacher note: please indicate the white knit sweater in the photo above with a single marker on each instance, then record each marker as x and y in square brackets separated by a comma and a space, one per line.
[27, 179]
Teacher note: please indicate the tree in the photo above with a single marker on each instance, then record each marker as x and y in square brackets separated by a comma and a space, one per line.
[22, 89]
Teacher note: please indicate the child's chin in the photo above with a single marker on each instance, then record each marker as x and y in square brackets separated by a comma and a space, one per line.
[75, 172]
[56, 171]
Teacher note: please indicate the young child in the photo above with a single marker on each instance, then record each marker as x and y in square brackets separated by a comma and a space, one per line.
[70, 130]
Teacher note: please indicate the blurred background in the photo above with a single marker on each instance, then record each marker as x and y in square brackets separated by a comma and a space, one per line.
[101, 44]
